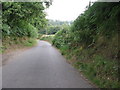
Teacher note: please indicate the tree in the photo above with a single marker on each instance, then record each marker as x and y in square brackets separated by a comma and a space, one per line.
[22, 18]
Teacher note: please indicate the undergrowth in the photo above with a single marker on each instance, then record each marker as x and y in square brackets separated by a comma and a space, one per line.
[48, 38]
[98, 63]
[15, 43]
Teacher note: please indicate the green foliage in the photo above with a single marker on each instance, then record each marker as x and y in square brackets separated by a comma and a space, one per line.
[5, 30]
[101, 71]
[53, 29]
[26, 30]
[60, 38]
[91, 43]
[39, 36]
[22, 19]
[2, 48]
[0, 20]
[16, 43]
[48, 38]
[100, 19]
[58, 23]
[29, 42]
[54, 26]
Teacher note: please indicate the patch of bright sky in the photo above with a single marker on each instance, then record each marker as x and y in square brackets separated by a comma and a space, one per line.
[66, 10]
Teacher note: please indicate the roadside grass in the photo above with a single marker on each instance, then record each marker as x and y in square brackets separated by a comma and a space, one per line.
[98, 69]
[17, 43]
[64, 49]
[99, 64]
[2, 49]
[30, 42]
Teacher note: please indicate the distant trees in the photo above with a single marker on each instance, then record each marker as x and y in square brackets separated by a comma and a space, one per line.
[58, 23]
[53, 29]
[55, 26]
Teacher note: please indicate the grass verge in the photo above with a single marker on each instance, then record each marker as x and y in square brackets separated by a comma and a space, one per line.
[103, 72]
[17, 43]
[99, 63]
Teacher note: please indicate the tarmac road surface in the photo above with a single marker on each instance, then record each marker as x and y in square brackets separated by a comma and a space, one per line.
[41, 67]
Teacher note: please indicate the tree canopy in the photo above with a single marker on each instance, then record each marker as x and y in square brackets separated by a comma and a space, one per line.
[22, 19]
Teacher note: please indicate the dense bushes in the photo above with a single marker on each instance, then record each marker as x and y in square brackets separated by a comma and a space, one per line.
[22, 19]
[19, 19]
[53, 29]
[99, 20]
[91, 43]
[60, 38]
[48, 38]
[54, 26]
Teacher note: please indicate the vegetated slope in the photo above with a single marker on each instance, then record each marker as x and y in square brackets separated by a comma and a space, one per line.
[91, 43]
[21, 22]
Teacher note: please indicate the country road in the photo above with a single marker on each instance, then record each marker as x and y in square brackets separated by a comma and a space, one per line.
[41, 67]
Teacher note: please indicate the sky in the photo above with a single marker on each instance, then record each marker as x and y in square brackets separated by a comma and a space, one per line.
[66, 10]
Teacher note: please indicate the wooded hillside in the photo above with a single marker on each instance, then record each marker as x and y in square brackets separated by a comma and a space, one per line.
[91, 43]
[21, 22]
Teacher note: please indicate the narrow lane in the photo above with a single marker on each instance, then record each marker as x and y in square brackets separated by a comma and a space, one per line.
[41, 67]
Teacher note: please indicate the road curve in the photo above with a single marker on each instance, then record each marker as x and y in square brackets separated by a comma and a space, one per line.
[41, 67]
